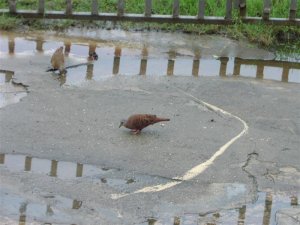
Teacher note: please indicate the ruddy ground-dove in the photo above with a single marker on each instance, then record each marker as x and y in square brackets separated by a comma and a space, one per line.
[137, 122]
[58, 60]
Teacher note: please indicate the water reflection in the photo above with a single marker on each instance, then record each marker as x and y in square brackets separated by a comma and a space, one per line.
[53, 168]
[128, 61]
[25, 211]
[10, 92]
[61, 169]
[172, 63]
[263, 212]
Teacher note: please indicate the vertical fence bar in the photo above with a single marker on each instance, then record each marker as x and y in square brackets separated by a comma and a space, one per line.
[293, 10]
[89, 71]
[171, 63]
[28, 161]
[121, 7]
[237, 67]
[143, 66]
[41, 7]
[68, 7]
[11, 45]
[2, 158]
[22, 211]
[243, 8]
[196, 65]
[201, 9]
[148, 8]
[79, 170]
[12, 5]
[285, 74]
[117, 58]
[268, 208]
[39, 44]
[228, 15]
[294, 200]
[260, 71]
[67, 48]
[242, 215]
[175, 8]
[53, 170]
[196, 62]
[267, 9]
[95, 8]
[223, 66]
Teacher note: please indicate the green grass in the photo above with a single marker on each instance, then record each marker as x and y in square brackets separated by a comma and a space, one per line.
[259, 33]
[280, 8]
[9, 23]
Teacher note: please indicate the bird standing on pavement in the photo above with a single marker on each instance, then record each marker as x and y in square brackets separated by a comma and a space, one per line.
[58, 60]
[137, 122]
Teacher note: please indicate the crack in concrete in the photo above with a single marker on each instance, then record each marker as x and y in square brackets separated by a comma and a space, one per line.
[251, 156]
[287, 215]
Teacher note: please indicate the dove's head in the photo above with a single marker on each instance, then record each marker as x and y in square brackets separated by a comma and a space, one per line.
[122, 122]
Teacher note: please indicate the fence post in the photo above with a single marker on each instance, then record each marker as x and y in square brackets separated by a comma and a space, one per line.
[143, 66]
[148, 8]
[121, 7]
[201, 9]
[12, 4]
[285, 74]
[260, 71]
[95, 8]
[293, 10]
[267, 9]
[228, 15]
[171, 63]
[243, 8]
[175, 8]
[41, 9]
[223, 66]
[237, 67]
[68, 7]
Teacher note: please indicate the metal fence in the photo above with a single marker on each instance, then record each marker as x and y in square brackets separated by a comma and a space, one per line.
[148, 16]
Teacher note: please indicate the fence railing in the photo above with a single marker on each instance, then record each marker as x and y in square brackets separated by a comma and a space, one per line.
[147, 16]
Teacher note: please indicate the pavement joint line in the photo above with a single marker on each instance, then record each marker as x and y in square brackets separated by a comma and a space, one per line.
[200, 168]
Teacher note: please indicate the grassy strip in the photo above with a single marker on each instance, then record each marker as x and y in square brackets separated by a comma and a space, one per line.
[265, 35]
[280, 8]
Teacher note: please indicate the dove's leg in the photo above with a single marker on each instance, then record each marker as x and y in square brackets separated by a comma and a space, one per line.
[135, 131]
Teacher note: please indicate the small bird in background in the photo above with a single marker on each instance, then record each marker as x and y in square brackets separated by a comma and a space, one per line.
[58, 60]
[93, 56]
[137, 122]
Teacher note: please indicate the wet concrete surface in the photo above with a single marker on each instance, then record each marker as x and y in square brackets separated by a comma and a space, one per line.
[65, 161]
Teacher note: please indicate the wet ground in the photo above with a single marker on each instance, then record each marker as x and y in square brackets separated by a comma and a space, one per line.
[229, 155]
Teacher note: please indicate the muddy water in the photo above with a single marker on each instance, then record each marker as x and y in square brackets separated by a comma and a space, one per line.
[116, 58]
[265, 210]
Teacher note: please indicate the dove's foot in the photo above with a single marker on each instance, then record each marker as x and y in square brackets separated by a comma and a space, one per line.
[135, 131]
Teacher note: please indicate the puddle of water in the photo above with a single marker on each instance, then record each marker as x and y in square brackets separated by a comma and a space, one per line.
[62, 169]
[115, 59]
[263, 211]
[10, 92]
[53, 168]
[18, 210]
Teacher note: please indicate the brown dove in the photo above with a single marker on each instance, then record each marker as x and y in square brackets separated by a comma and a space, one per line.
[58, 60]
[137, 122]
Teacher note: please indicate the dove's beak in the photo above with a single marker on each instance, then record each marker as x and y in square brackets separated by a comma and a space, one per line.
[121, 124]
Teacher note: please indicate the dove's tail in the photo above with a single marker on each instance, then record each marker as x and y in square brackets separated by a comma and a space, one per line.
[157, 119]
